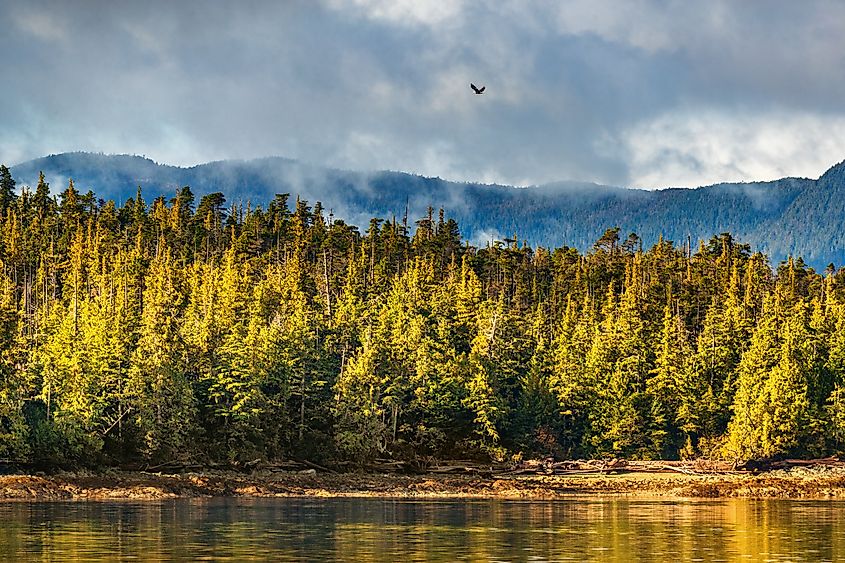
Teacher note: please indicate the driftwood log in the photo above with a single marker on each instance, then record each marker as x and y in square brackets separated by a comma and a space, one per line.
[548, 466]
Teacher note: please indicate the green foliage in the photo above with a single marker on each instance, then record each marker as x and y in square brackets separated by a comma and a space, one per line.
[153, 333]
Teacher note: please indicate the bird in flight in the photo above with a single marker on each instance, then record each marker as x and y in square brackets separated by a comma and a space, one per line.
[476, 89]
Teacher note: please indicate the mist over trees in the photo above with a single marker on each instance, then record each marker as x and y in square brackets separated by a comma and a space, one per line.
[193, 329]
[807, 215]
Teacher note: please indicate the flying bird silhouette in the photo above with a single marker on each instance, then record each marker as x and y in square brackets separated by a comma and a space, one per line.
[476, 89]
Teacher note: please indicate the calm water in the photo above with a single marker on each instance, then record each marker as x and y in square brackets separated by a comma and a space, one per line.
[398, 530]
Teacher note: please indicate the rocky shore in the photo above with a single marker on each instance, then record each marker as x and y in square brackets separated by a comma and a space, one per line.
[791, 483]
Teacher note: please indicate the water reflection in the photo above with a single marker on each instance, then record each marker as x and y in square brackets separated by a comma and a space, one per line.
[364, 530]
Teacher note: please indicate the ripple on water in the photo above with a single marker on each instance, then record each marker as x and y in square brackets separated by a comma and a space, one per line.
[398, 530]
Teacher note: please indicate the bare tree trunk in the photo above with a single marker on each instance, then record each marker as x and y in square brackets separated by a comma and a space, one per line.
[302, 406]
[328, 289]
[395, 419]
[75, 302]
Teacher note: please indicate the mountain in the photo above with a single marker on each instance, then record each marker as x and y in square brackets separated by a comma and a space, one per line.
[791, 216]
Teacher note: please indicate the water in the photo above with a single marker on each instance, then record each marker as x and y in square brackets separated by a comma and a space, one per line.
[364, 530]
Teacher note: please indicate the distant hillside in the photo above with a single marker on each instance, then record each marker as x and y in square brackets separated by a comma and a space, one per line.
[795, 216]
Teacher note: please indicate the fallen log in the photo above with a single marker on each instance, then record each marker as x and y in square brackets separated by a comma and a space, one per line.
[316, 466]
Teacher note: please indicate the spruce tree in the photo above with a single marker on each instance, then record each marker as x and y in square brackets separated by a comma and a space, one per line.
[159, 392]
[7, 191]
[746, 437]
[668, 391]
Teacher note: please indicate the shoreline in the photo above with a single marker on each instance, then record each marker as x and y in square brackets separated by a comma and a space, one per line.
[134, 485]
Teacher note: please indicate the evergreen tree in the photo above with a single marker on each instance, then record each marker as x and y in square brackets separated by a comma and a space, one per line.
[573, 384]
[237, 333]
[746, 437]
[7, 191]
[159, 392]
[669, 393]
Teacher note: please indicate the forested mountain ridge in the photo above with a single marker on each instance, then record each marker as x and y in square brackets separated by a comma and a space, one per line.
[179, 330]
[791, 216]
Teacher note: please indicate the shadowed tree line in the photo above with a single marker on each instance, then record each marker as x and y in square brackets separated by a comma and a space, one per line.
[214, 332]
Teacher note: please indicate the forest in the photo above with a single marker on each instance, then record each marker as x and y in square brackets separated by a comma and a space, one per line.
[806, 215]
[203, 332]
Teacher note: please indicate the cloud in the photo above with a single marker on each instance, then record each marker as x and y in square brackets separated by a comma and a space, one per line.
[695, 147]
[405, 12]
[485, 238]
[636, 23]
[645, 92]
[41, 25]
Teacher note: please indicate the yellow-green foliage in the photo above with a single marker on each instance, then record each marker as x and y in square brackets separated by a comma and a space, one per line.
[196, 331]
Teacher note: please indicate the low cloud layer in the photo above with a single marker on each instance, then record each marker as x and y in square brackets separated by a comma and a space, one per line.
[707, 147]
[645, 93]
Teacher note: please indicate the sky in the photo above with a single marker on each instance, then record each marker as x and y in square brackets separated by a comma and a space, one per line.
[637, 93]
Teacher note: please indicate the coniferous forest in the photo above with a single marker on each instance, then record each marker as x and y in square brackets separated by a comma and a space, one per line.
[205, 331]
